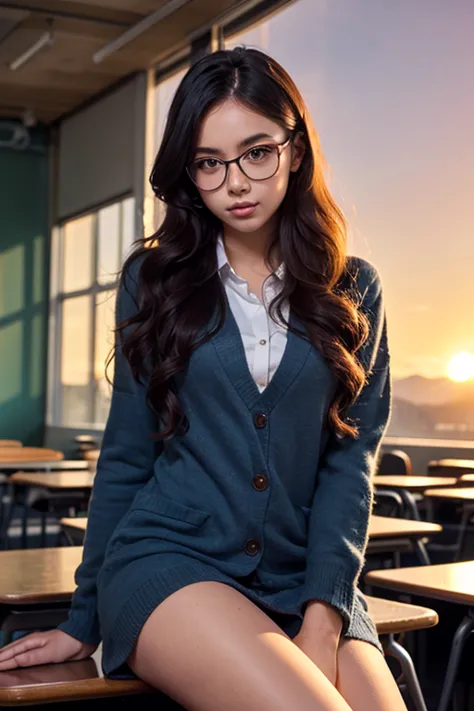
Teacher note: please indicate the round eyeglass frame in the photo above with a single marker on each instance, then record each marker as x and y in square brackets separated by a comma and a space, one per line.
[279, 146]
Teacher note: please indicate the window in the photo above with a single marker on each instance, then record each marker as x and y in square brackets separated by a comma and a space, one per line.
[164, 93]
[88, 252]
[395, 122]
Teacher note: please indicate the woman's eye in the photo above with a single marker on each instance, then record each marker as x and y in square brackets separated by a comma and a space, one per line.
[259, 153]
[208, 164]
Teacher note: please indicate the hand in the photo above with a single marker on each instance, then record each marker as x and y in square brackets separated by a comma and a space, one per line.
[44, 648]
[321, 648]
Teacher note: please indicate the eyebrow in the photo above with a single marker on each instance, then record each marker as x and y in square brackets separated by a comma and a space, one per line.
[243, 144]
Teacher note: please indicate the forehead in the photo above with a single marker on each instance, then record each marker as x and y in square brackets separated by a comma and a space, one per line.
[225, 126]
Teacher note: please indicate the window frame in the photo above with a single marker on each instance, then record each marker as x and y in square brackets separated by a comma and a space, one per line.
[58, 296]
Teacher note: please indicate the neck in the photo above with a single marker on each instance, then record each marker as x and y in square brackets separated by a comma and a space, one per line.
[248, 248]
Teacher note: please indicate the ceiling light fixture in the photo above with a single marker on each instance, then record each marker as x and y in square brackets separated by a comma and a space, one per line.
[46, 40]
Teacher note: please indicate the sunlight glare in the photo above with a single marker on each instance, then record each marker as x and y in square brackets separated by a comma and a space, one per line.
[461, 367]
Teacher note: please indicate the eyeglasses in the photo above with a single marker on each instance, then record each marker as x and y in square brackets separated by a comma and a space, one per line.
[257, 163]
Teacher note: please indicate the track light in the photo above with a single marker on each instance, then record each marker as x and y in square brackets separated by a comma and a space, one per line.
[46, 40]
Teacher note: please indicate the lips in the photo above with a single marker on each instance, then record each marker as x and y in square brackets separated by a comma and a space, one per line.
[243, 209]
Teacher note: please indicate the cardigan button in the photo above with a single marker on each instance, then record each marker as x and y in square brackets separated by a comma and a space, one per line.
[252, 547]
[260, 482]
[260, 420]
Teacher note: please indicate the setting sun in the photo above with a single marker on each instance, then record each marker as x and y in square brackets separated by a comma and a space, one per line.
[461, 367]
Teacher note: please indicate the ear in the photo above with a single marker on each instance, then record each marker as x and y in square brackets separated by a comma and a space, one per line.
[298, 149]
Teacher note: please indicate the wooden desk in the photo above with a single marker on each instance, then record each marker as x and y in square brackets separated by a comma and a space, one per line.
[381, 527]
[78, 465]
[54, 480]
[57, 486]
[83, 680]
[413, 483]
[407, 485]
[460, 494]
[397, 530]
[451, 582]
[36, 587]
[451, 467]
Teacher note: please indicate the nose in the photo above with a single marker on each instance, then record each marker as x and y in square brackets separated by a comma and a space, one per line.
[237, 181]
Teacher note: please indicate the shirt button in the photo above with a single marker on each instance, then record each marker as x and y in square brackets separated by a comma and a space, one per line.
[252, 547]
[260, 420]
[260, 482]
[262, 342]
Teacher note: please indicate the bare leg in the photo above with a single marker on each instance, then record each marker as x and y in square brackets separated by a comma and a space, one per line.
[365, 680]
[210, 648]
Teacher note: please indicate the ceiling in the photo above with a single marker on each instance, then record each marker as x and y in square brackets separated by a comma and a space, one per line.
[63, 76]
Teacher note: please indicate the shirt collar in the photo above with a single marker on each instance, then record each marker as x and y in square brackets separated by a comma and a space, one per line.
[223, 263]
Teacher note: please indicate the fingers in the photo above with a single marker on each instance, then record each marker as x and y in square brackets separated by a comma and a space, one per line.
[18, 653]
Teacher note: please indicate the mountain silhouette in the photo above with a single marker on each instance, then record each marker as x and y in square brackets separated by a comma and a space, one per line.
[419, 390]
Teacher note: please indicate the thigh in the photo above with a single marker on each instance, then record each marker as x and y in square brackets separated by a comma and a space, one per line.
[209, 648]
[364, 678]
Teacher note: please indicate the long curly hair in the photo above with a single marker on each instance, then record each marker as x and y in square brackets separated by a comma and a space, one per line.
[179, 287]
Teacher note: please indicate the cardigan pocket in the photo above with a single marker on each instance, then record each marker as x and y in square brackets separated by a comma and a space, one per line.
[155, 515]
[169, 508]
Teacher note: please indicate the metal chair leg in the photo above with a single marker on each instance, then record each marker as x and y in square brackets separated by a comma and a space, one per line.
[462, 633]
[395, 650]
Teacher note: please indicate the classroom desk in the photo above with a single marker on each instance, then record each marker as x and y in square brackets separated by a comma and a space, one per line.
[53, 466]
[451, 467]
[459, 494]
[36, 586]
[57, 486]
[406, 485]
[380, 528]
[451, 582]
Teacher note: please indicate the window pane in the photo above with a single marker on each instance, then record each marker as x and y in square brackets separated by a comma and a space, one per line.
[108, 230]
[78, 253]
[164, 94]
[104, 340]
[396, 128]
[75, 360]
[128, 225]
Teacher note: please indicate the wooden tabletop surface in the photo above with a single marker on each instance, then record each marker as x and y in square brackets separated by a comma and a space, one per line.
[84, 679]
[69, 465]
[452, 582]
[466, 464]
[379, 527]
[387, 527]
[458, 494]
[54, 480]
[34, 575]
[79, 523]
[413, 483]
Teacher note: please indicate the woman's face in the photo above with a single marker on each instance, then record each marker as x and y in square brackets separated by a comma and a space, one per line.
[226, 132]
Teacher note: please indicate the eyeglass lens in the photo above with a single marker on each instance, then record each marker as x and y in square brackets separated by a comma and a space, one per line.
[258, 163]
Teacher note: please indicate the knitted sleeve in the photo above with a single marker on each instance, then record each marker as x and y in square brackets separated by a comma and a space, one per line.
[342, 504]
[126, 461]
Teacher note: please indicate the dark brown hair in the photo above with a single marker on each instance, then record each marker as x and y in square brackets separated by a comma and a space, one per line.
[179, 285]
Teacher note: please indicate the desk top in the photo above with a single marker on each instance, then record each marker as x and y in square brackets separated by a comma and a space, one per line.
[449, 581]
[387, 527]
[79, 523]
[54, 480]
[466, 464]
[413, 483]
[379, 527]
[458, 494]
[35, 575]
[60, 466]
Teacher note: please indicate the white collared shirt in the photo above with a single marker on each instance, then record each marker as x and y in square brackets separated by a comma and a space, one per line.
[264, 340]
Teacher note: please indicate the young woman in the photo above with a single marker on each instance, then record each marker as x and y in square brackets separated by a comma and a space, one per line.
[228, 522]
